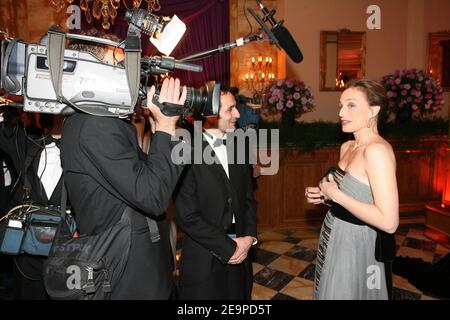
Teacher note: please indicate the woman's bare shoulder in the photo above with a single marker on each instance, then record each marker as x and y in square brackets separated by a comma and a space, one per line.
[379, 148]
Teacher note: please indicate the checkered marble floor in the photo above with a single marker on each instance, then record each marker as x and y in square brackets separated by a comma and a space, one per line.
[284, 262]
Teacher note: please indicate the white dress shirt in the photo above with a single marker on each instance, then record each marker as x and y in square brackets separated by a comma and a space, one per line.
[7, 175]
[221, 153]
[49, 170]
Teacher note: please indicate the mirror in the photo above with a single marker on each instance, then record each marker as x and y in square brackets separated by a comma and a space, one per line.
[342, 58]
[439, 58]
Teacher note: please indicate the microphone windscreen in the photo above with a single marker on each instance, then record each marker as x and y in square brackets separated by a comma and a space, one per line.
[288, 43]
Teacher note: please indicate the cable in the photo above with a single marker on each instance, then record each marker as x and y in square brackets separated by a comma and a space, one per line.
[23, 274]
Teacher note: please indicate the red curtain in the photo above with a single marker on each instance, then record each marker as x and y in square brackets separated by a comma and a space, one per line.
[207, 24]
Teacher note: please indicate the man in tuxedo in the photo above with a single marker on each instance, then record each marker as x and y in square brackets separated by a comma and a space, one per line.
[36, 158]
[216, 209]
[106, 171]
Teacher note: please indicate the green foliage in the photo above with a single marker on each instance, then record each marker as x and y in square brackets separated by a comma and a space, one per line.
[309, 137]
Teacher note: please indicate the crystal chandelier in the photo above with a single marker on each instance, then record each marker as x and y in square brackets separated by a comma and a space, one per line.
[105, 9]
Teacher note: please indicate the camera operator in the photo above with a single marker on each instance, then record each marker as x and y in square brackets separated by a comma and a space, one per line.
[249, 120]
[105, 171]
[34, 153]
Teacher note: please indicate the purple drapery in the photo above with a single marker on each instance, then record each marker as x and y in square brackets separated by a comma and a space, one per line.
[445, 63]
[207, 24]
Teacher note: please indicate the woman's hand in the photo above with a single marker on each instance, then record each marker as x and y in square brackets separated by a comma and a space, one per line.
[329, 189]
[314, 196]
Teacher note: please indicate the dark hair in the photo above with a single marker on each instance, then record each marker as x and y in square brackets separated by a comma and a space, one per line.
[225, 90]
[376, 96]
[97, 49]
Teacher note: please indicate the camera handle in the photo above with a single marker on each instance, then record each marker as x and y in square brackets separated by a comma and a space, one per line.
[170, 109]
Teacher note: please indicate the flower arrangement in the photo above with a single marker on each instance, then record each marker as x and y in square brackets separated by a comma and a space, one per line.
[289, 97]
[412, 91]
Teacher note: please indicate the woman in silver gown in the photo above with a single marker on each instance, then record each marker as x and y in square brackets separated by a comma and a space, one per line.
[363, 196]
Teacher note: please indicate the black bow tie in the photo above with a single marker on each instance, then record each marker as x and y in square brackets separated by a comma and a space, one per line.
[220, 142]
[50, 139]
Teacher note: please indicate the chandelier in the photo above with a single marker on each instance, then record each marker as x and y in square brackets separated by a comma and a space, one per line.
[106, 9]
[260, 75]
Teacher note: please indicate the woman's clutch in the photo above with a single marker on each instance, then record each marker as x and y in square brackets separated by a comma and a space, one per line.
[338, 175]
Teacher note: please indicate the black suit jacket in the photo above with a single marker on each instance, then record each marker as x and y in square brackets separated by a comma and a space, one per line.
[25, 152]
[205, 202]
[105, 170]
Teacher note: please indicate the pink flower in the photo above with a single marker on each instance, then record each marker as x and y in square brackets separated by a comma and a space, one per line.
[404, 93]
[280, 106]
[297, 96]
[289, 104]
[415, 107]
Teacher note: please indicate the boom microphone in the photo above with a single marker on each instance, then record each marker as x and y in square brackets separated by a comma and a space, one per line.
[278, 33]
[288, 43]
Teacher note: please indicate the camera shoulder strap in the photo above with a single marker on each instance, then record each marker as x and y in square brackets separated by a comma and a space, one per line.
[133, 64]
[55, 59]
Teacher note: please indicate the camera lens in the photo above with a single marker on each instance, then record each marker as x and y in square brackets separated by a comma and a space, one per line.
[205, 100]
